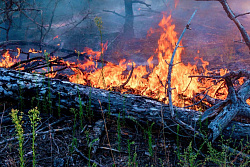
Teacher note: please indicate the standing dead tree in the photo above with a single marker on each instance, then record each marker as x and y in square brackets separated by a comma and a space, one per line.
[128, 28]
[235, 19]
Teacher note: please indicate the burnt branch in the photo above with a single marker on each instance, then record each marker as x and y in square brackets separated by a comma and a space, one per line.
[234, 75]
[243, 14]
[141, 2]
[169, 91]
[129, 77]
[50, 23]
[114, 12]
[83, 18]
[233, 17]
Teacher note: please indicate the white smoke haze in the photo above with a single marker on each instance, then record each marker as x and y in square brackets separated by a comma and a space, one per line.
[210, 26]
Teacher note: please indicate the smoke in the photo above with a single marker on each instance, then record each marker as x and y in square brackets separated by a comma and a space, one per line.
[210, 25]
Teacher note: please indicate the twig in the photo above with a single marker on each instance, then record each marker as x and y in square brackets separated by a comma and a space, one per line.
[242, 14]
[115, 150]
[233, 75]
[2, 119]
[160, 81]
[51, 20]
[197, 102]
[239, 153]
[107, 133]
[141, 2]
[53, 123]
[94, 162]
[130, 75]
[188, 85]
[114, 13]
[41, 26]
[51, 146]
[37, 133]
[26, 61]
[76, 24]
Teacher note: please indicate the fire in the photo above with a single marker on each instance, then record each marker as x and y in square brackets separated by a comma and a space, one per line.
[149, 83]
[34, 51]
[147, 80]
[55, 37]
[19, 52]
[7, 60]
[151, 65]
[176, 2]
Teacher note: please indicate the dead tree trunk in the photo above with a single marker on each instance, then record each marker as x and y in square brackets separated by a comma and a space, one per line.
[68, 95]
[128, 29]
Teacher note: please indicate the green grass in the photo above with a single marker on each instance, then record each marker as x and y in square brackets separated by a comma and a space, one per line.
[34, 118]
[74, 140]
[17, 120]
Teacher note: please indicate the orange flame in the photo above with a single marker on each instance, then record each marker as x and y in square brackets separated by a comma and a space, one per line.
[148, 83]
[34, 51]
[151, 65]
[7, 60]
[55, 37]
[19, 52]
[144, 81]
[176, 2]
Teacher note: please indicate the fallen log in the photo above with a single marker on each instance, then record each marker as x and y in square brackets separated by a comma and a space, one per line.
[66, 95]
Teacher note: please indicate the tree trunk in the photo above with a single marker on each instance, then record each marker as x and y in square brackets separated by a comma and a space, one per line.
[66, 95]
[129, 20]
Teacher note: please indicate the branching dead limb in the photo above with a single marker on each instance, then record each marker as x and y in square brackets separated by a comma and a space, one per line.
[234, 105]
[169, 90]
[233, 17]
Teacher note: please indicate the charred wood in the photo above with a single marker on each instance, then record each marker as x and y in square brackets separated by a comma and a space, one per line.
[140, 109]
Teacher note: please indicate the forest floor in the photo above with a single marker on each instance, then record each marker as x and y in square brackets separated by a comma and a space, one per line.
[62, 142]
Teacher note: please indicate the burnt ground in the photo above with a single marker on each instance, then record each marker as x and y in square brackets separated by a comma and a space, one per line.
[54, 146]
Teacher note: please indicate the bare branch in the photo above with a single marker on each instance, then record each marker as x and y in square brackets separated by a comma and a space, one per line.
[77, 23]
[232, 16]
[242, 14]
[51, 20]
[171, 66]
[114, 12]
[141, 2]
